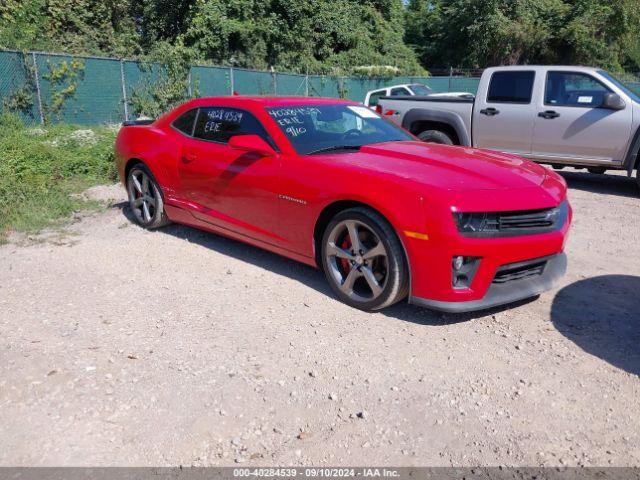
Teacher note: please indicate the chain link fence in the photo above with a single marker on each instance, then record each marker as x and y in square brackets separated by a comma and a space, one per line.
[48, 87]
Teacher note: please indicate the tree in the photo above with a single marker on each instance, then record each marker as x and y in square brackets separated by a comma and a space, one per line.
[480, 33]
[318, 35]
[70, 26]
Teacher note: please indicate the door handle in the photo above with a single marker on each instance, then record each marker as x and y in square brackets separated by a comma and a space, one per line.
[549, 114]
[489, 112]
[187, 157]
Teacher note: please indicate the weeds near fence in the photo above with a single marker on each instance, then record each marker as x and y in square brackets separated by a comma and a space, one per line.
[40, 169]
[22, 100]
[173, 87]
[63, 78]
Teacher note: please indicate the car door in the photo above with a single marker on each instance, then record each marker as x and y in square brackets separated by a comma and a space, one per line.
[571, 126]
[503, 119]
[233, 189]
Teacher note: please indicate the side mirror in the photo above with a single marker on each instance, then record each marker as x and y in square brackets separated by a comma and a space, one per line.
[613, 101]
[251, 143]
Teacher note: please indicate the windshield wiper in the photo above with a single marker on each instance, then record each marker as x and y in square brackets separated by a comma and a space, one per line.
[336, 147]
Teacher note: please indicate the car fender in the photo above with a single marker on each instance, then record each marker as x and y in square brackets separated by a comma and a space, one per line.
[452, 119]
[632, 155]
[142, 144]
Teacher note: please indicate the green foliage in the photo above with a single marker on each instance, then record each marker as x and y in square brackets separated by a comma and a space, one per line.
[40, 169]
[63, 79]
[75, 26]
[318, 36]
[21, 100]
[481, 33]
[154, 97]
[337, 37]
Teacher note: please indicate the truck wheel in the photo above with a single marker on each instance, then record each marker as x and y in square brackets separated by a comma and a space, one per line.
[435, 136]
[638, 176]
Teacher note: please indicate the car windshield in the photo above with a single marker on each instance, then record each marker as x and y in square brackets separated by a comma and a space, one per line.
[339, 128]
[420, 89]
[628, 88]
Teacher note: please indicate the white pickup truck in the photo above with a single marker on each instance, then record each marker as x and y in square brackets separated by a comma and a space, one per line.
[559, 115]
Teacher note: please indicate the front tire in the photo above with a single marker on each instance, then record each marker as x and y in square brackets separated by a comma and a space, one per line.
[363, 260]
[145, 198]
[435, 136]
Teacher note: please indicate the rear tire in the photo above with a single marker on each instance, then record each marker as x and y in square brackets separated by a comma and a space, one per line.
[145, 198]
[638, 176]
[371, 272]
[435, 136]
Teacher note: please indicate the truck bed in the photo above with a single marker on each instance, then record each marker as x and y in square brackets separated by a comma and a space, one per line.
[409, 111]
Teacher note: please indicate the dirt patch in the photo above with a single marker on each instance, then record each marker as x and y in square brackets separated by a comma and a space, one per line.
[128, 347]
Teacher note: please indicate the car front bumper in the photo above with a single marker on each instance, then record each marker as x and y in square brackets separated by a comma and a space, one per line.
[504, 293]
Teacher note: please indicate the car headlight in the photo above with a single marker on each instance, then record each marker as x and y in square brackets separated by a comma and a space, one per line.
[477, 222]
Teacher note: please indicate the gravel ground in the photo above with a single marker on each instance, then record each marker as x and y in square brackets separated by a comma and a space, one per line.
[124, 347]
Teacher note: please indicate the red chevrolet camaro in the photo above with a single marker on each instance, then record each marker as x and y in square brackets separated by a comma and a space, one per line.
[330, 183]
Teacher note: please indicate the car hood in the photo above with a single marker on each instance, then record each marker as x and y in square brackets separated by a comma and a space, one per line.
[448, 167]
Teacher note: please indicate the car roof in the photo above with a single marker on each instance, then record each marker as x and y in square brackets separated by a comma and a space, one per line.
[268, 101]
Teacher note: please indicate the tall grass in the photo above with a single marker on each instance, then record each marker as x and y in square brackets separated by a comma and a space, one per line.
[40, 169]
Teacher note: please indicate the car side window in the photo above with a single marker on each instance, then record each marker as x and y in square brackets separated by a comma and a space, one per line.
[184, 122]
[397, 92]
[374, 98]
[219, 124]
[511, 87]
[572, 89]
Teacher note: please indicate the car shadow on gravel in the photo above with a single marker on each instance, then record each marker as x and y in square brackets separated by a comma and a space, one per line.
[608, 184]
[311, 277]
[602, 316]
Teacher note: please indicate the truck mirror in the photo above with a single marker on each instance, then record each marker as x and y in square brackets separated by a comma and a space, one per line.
[613, 101]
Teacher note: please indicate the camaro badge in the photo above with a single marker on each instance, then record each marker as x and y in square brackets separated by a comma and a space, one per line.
[291, 199]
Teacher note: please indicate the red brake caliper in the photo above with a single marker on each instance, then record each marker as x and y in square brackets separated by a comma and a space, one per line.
[346, 245]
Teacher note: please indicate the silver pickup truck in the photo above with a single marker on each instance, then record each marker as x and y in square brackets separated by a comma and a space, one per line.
[577, 116]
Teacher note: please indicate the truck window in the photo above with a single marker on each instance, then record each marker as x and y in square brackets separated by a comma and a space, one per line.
[511, 87]
[572, 89]
[397, 92]
[375, 97]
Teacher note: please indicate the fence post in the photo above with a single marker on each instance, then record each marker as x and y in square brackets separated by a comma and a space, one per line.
[450, 77]
[39, 94]
[189, 90]
[231, 80]
[124, 91]
[275, 81]
[306, 78]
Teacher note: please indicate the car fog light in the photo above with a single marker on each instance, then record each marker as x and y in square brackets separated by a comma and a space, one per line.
[463, 271]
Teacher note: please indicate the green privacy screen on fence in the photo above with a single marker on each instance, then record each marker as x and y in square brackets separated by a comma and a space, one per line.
[89, 90]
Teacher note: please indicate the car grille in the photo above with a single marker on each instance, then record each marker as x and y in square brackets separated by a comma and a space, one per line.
[518, 271]
[511, 223]
[538, 219]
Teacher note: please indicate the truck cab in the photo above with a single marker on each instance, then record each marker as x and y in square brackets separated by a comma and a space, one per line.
[560, 115]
